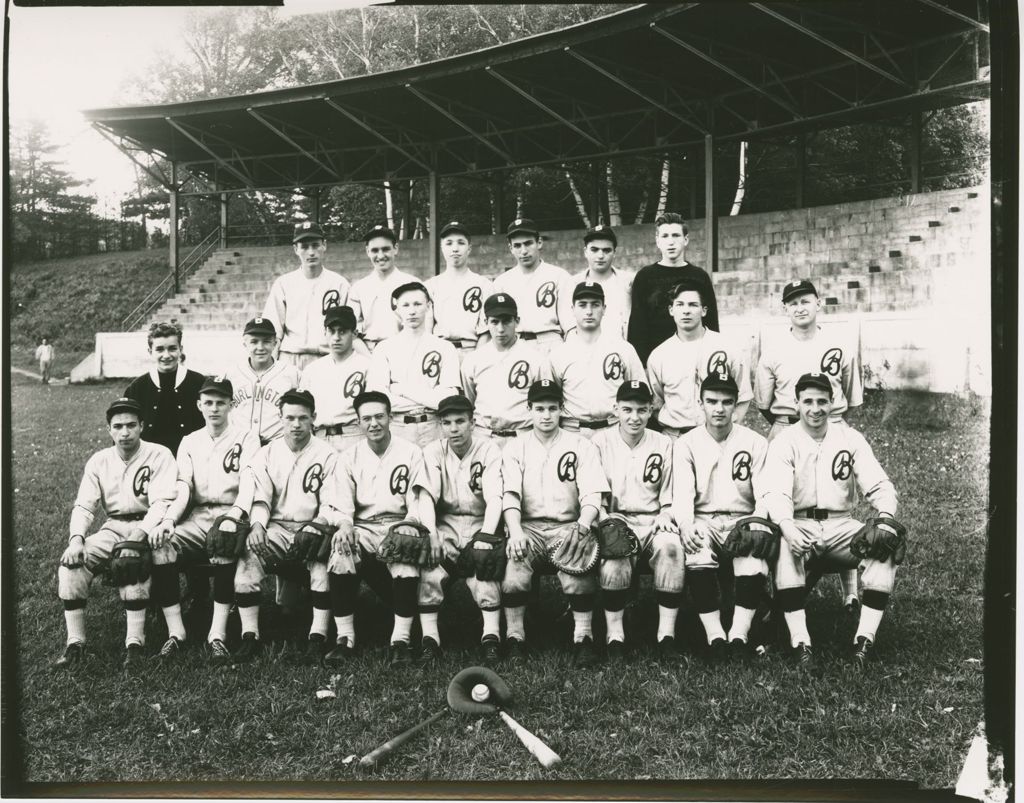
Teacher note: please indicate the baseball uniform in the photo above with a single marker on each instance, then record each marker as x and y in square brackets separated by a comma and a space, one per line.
[256, 395]
[618, 290]
[458, 307]
[334, 386]
[370, 299]
[498, 381]
[536, 295]
[297, 304]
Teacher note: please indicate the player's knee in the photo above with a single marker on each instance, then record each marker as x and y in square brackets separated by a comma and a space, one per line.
[616, 574]
[431, 591]
[518, 577]
[486, 593]
[135, 592]
[73, 584]
[341, 564]
[747, 566]
[403, 570]
[665, 547]
[164, 555]
[575, 584]
[879, 575]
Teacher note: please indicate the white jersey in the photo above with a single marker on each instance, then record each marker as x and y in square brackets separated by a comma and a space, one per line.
[833, 351]
[370, 299]
[296, 486]
[334, 385]
[618, 299]
[552, 481]
[256, 396]
[591, 373]
[142, 487]
[372, 487]
[458, 304]
[677, 367]
[463, 486]
[211, 467]
[297, 304]
[536, 295]
[416, 371]
[713, 477]
[803, 473]
[640, 477]
[497, 381]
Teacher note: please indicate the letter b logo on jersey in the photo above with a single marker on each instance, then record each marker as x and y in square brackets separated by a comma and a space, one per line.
[718, 363]
[842, 465]
[313, 479]
[832, 362]
[546, 295]
[332, 298]
[354, 385]
[613, 367]
[567, 467]
[654, 469]
[741, 466]
[471, 300]
[400, 480]
[140, 483]
[232, 459]
[519, 375]
[431, 365]
[476, 473]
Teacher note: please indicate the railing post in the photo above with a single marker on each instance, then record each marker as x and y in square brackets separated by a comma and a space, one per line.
[173, 230]
[223, 220]
[435, 194]
[710, 219]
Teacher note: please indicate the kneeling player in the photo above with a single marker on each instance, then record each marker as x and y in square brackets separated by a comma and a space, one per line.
[637, 463]
[133, 481]
[813, 471]
[718, 482]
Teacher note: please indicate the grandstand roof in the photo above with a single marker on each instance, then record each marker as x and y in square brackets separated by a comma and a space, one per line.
[648, 79]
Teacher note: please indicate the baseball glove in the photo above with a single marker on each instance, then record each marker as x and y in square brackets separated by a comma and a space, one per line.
[575, 552]
[616, 538]
[484, 556]
[131, 562]
[311, 542]
[880, 538]
[460, 691]
[407, 541]
[226, 538]
[754, 536]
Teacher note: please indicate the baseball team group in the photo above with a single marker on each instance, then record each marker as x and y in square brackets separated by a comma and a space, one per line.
[412, 434]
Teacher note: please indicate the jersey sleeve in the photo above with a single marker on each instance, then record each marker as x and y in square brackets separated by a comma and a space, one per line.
[684, 483]
[779, 474]
[654, 380]
[263, 486]
[512, 476]
[764, 377]
[378, 376]
[89, 498]
[186, 468]
[417, 479]
[634, 368]
[491, 482]
[591, 483]
[666, 494]
[450, 380]
[432, 469]
[274, 308]
[328, 509]
[344, 492]
[872, 480]
[468, 377]
[759, 454]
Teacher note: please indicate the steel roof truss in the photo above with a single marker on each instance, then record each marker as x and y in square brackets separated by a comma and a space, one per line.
[956, 14]
[371, 130]
[927, 82]
[292, 142]
[216, 157]
[452, 118]
[157, 176]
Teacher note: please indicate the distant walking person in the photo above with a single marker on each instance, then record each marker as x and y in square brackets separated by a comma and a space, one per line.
[44, 353]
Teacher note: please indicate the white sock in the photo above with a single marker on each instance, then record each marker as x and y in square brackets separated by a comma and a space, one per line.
[402, 630]
[492, 622]
[250, 617]
[796, 621]
[136, 631]
[175, 627]
[870, 618]
[582, 621]
[75, 621]
[667, 622]
[219, 622]
[613, 620]
[848, 578]
[346, 627]
[741, 620]
[515, 622]
[428, 624]
[321, 621]
[712, 625]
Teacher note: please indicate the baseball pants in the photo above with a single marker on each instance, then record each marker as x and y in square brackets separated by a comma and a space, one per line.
[831, 552]
[664, 553]
[345, 441]
[544, 341]
[541, 533]
[251, 568]
[370, 535]
[73, 583]
[187, 544]
[573, 425]
[418, 432]
[712, 552]
[299, 359]
[455, 531]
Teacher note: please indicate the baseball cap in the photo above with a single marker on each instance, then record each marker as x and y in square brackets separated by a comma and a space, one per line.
[260, 326]
[402, 289]
[522, 225]
[306, 230]
[341, 316]
[217, 384]
[296, 396]
[797, 288]
[454, 404]
[544, 390]
[124, 405]
[634, 390]
[720, 380]
[380, 230]
[500, 304]
[369, 397]
[588, 290]
[453, 227]
[815, 380]
[601, 232]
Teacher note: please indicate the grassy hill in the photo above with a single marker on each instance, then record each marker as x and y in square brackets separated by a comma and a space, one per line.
[71, 299]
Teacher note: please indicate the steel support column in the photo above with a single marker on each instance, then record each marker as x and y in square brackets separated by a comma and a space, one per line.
[316, 205]
[435, 194]
[172, 239]
[710, 218]
[407, 210]
[915, 150]
[595, 194]
[801, 169]
[224, 219]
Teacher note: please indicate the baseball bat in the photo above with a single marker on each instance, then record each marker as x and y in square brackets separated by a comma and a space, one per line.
[391, 745]
[544, 754]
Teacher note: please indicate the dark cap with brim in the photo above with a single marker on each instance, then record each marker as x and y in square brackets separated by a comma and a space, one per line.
[816, 381]
[544, 390]
[500, 304]
[381, 230]
[634, 390]
[220, 385]
[454, 404]
[296, 396]
[454, 227]
[124, 405]
[522, 225]
[720, 380]
[260, 326]
[588, 290]
[408, 287]
[601, 232]
[796, 289]
[307, 230]
[342, 316]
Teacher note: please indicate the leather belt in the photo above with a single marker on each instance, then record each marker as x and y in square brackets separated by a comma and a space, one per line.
[463, 343]
[331, 429]
[416, 419]
[501, 433]
[789, 419]
[595, 424]
[527, 335]
[128, 517]
[815, 513]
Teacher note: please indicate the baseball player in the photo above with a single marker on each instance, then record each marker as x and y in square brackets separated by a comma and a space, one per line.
[381, 482]
[637, 464]
[649, 326]
[211, 464]
[592, 363]
[133, 482]
[44, 355]
[678, 366]
[552, 490]
[786, 356]
[458, 293]
[599, 244]
[294, 484]
[415, 368]
[298, 299]
[719, 479]
[463, 478]
[370, 298]
[497, 376]
[813, 471]
[534, 284]
[259, 380]
[336, 379]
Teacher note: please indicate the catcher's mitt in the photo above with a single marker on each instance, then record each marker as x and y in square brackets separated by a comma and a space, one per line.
[484, 556]
[754, 536]
[575, 553]
[407, 541]
[226, 538]
[616, 538]
[460, 691]
[311, 542]
[880, 538]
[131, 562]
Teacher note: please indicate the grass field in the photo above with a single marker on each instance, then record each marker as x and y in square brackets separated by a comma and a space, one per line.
[909, 717]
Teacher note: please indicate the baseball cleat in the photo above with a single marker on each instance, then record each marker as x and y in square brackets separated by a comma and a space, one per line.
[616, 651]
[718, 651]
[739, 651]
[667, 650]
[515, 650]
[74, 653]
[341, 653]
[219, 653]
[247, 650]
[134, 656]
[803, 653]
[172, 649]
[398, 653]
[430, 650]
[489, 649]
[863, 649]
[583, 653]
[313, 652]
[852, 605]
